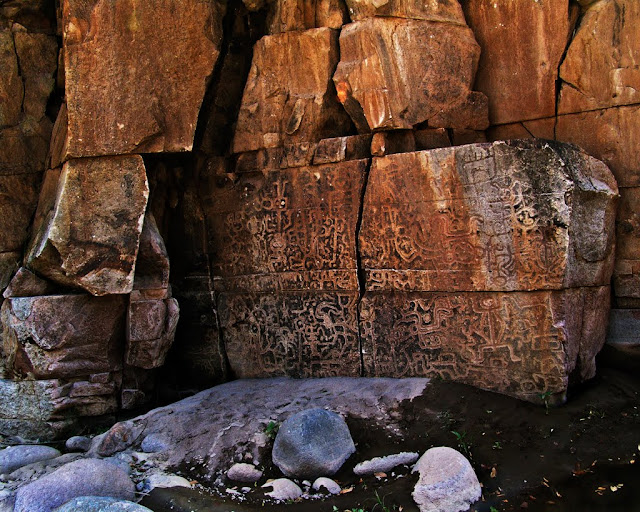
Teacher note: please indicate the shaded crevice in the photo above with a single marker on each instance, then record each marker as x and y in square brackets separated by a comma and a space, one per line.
[361, 274]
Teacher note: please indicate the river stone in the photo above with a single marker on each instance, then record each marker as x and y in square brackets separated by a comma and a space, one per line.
[243, 472]
[447, 481]
[326, 483]
[86, 477]
[100, 504]
[283, 489]
[382, 464]
[78, 443]
[312, 443]
[15, 457]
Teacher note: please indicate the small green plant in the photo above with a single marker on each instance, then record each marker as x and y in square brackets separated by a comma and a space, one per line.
[545, 398]
[336, 509]
[497, 446]
[493, 509]
[463, 443]
[380, 503]
[271, 429]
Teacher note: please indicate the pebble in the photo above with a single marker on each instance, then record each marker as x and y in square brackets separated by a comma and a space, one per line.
[283, 489]
[326, 483]
[243, 472]
[384, 464]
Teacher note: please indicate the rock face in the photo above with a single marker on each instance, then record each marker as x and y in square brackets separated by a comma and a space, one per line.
[294, 15]
[157, 58]
[447, 481]
[284, 103]
[100, 504]
[312, 443]
[89, 477]
[438, 10]
[385, 81]
[610, 76]
[456, 246]
[488, 217]
[518, 69]
[285, 267]
[62, 336]
[89, 224]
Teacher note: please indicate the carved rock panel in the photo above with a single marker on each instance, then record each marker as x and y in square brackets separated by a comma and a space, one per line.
[521, 343]
[519, 215]
[299, 334]
[446, 11]
[395, 73]
[289, 97]
[290, 229]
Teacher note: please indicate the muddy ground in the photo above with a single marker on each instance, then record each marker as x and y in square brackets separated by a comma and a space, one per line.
[580, 456]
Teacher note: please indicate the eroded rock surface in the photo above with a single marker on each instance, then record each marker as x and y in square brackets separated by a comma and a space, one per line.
[89, 222]
[136, 73]
[289, 96]
[395, 73]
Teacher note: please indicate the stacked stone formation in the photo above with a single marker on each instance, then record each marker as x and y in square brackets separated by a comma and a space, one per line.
[313, 265]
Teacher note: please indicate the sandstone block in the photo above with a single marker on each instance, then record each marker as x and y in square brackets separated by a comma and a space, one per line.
[396, 141]
[339, 149]
[440, 10]
[518, 69]
[11, 85]
[608, 34]
[9, 262]
[24, 148]
[63, 336]
[518, 215]
[299, 334]
[522, 344]
[136, 73]
[290, 15]
[611, 135]
[151, 328]
[18, 201]
[395, 73]
[283, 101]
[286, 230]
[89, 224]
[26, 284]
[431, 138]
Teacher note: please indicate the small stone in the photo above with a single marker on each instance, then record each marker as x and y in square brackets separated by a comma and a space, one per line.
[283, 489]
[312, 443]
[78, 443]
[100, 504]
[243, 472]
[15, 457]
[447, 481]
[154, 443]
[326, 483]
[86, 477]
[164, 480]
[383, 464]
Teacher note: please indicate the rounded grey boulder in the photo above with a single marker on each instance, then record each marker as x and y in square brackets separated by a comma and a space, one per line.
[84, 477]
[447, 481]
[15, 457]
[101, 504]
[312, 443]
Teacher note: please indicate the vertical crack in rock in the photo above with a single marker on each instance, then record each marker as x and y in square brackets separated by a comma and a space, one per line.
[359, 268]
[574, 24]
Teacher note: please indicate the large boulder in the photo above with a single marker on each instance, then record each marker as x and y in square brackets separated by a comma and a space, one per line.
[284, 103]
[135, 74]
[86, 477]
[14, 457]
[447, 482]
[89, 221]
[312, 443]
[396, 73]
[101, 504]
